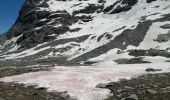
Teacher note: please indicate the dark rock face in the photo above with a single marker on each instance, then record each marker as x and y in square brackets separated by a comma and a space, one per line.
[30, 18]
[127, 5]
[149, 1]
[36, 26]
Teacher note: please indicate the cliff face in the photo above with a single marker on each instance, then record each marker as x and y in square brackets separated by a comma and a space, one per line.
[36, 25]
[77, 30]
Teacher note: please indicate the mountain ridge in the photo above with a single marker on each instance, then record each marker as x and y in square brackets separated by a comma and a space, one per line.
[71, 31]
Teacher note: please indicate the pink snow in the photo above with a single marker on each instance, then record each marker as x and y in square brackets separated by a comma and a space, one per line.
[80, 81]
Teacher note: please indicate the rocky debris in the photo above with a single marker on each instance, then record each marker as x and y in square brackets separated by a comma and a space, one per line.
[84, 18]
[145, 87]
[14, 91]
[130, 61]
[10, 71]
[149, 52]
[152, 70]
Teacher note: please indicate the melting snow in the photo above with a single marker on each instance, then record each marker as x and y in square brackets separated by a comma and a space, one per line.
[80, 81]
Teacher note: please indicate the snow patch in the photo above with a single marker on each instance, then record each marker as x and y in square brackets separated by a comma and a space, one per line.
[80, 81]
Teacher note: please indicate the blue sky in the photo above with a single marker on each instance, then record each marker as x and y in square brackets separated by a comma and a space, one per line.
[9, 10]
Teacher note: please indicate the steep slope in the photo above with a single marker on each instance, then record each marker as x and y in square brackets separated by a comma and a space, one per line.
[70, 31]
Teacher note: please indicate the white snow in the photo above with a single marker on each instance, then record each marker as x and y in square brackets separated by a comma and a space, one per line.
[14, 48]
[80, 81]
[69, 6]
[109, 2]
[152, 34]
[11, 43]
[24, 53]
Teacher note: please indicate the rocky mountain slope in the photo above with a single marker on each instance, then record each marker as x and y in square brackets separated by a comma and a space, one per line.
[72, 31]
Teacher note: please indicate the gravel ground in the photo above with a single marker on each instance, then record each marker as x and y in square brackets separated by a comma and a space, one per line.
[147, 87]
[13, 91]
[10, 71]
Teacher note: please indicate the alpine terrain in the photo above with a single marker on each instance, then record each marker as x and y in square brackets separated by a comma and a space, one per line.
[82, 48]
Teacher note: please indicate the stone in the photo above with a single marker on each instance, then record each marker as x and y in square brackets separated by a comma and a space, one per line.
[101, 85]
[151, 91]
[132, 97]
[64, 95]
[166, 26]
[152, 70]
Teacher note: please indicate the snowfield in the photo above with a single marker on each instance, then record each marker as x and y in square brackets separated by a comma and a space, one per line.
[80, 81]
[102, 23]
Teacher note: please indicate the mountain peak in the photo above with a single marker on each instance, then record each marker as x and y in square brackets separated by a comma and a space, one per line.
[78, 30]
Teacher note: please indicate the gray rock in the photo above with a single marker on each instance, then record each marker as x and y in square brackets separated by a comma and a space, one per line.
[151, 91]
[166, 26]
[101, 85]
[152, 70]
[131, 97]
[163, 37]
[64, 95]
